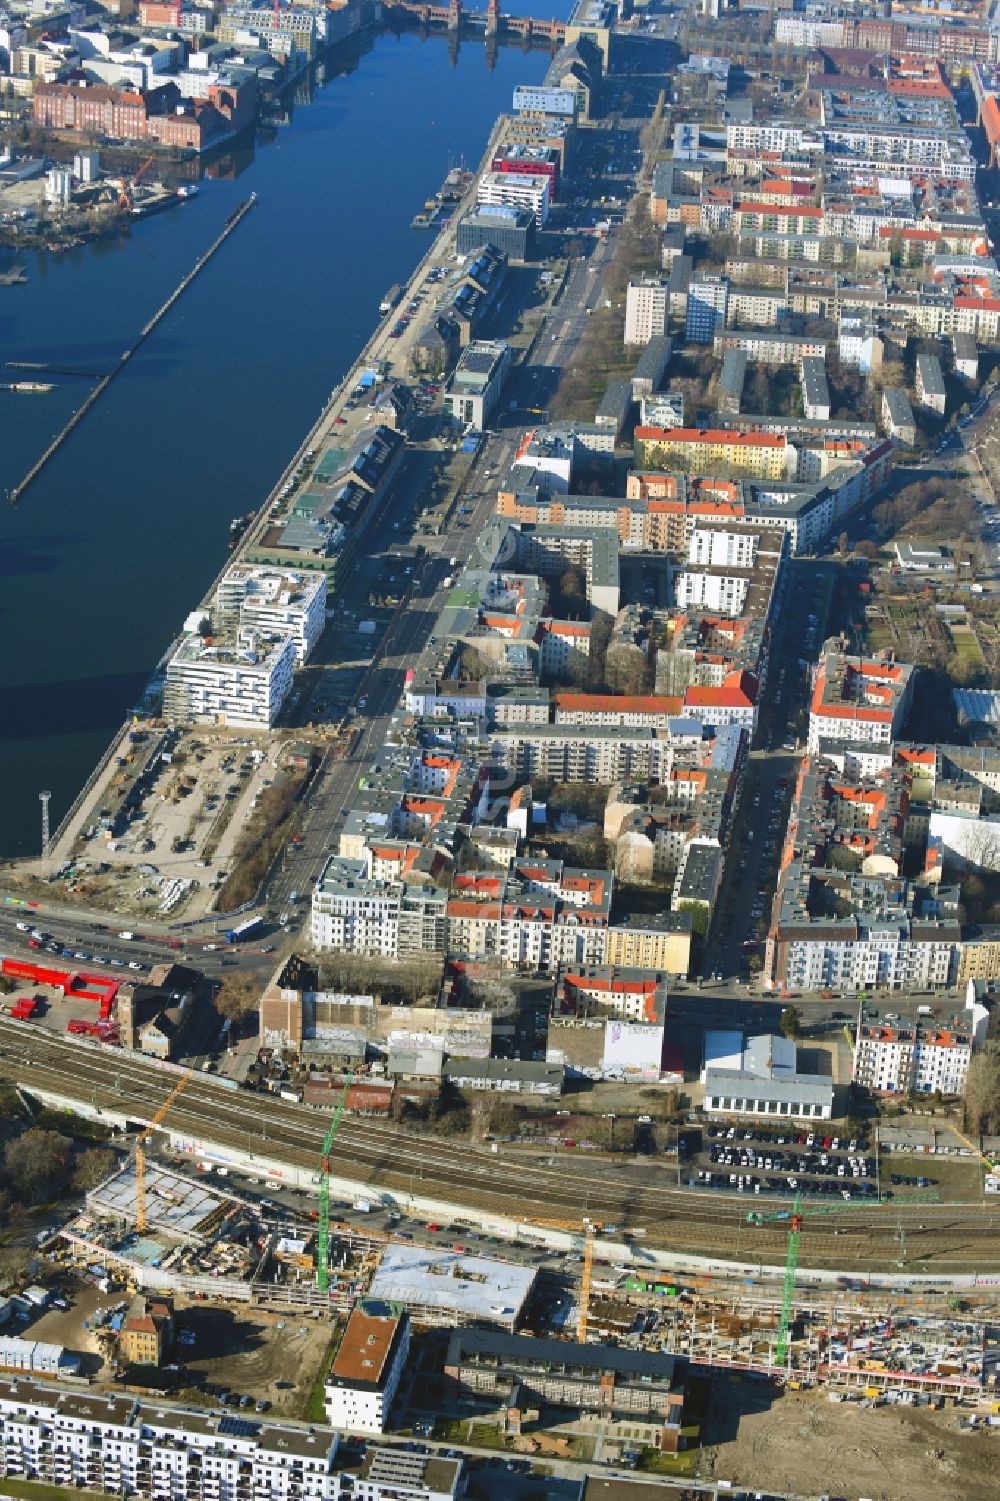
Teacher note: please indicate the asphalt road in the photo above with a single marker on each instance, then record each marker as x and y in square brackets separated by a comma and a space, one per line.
[748, 886]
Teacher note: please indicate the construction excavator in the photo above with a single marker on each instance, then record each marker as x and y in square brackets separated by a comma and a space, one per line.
[126, 188]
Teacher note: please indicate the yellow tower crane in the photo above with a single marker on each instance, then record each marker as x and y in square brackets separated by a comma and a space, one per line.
[140, 1151]
[589, 1229]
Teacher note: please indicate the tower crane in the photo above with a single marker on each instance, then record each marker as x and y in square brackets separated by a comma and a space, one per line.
[323, 1228]
[140, 1151]
[589, 1229]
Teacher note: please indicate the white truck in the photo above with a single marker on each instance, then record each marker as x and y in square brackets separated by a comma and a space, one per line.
[363, 1206]
[127, 936]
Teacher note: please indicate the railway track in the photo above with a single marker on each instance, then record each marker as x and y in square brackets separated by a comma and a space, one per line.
[925, 1238]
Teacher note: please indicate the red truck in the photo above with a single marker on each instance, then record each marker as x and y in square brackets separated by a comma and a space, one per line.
[26, 1008]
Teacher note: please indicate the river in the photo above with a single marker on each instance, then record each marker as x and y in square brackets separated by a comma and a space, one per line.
[115, 542]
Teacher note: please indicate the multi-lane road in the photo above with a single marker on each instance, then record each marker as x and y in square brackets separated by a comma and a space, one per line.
[407, 641]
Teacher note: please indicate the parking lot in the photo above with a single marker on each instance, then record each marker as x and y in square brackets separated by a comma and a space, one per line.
[753, 1160]
[162, 832]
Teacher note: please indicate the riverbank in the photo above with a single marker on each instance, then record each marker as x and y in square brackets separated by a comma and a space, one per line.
[128, 525]
[82, 812]
[378, 346]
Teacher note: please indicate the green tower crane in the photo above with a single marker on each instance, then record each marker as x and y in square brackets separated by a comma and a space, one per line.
[323, 1231]
[794, 1218]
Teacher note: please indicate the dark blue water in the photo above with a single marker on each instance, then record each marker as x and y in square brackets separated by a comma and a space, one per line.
[111, 547]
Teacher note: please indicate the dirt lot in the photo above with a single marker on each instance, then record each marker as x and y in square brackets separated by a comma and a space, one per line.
[251, 1353]
[803, 1443]
[64, 1326]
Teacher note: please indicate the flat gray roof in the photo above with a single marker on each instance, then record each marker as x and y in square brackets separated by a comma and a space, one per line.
[473, 1286]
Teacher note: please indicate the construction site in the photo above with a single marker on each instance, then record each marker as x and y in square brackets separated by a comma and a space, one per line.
[200, 1240]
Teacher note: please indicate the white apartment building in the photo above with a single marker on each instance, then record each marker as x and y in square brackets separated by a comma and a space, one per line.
[275, 600]
[366, 1371]
[772, 136]
[716, 547]
[807, 31]
[242, 683]
[363, 913]
[930, 385]
[543, 940]
[920, 1055]
[561, 644]
[596, 753]
[516, 190]
[646, 309]
[722, 593]
[858, 344]
[537, 101]
[354, 912]
[883, 952]
[86, 1441]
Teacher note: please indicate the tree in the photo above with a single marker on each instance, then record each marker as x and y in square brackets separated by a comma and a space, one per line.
[791, 1022]
[93, 1166]
[472, 665]
[981, 1105]
[38, 1162]
[237, 996]
[699, 916]
[14, 1263]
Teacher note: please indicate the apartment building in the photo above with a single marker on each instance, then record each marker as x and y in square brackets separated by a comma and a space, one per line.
[979, 958]
[517, 190]
[924, 1053]
[930, 385]
[646, 309]
[732, 378]
[147, 1332]
[897, 415]
[366, 1371]
[761, 455]
[274, 601]
[966, 356]
[84, 1441]
[473, 391]
[858, 699]
[885, 947]
[362, 913]
[707, 307]
[770, 348]
[539, 916]
[815, 388]
[242, 682]
[604, 754]
[541, 101]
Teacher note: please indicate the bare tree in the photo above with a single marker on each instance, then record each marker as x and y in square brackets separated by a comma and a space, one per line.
[37, 1163]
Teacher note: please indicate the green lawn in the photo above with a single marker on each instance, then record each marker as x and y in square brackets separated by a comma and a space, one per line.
[315, 1407]
[37, 1490]
[652, 1462]
[966, 645]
